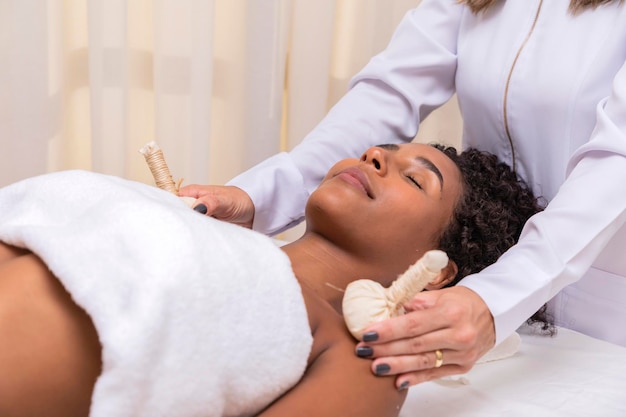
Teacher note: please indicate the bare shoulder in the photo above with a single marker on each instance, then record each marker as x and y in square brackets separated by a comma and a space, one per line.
[327, 327]
[336, 382]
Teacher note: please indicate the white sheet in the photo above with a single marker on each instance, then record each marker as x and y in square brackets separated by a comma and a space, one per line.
[569, 375]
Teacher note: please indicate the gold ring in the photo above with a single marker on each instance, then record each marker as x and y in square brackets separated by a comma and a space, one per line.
[439, 356]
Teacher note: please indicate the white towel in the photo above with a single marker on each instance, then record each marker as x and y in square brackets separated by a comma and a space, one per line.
[196, 317]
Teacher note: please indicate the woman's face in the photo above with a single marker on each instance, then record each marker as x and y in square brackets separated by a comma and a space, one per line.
[391, 205]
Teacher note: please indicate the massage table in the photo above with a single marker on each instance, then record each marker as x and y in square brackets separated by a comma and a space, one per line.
[570, 374]
[566, 375]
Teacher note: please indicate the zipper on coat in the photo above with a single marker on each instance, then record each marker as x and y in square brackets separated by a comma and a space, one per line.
[508, 82]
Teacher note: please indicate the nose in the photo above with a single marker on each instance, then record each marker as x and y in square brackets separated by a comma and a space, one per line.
[377, 157]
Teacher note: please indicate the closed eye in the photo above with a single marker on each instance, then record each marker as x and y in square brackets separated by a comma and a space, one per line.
[414, 181]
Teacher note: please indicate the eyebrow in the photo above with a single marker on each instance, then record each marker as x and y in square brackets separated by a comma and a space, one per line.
[427, 163]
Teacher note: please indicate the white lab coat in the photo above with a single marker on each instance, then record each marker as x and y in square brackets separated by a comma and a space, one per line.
[556, 84]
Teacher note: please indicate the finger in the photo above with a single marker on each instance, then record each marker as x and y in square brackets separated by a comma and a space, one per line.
[207, 204]
[200, 208]
[441, 339]
[232, 205]
[413, 324]
[204, 198]
[396, 365]
[218, 203]
[192, 190]
[218, 199]
[426, 368]
[404, 381]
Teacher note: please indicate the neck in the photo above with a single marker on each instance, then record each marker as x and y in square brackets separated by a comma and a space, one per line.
[324, 268]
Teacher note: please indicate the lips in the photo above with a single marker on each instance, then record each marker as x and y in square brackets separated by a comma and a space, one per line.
[357, 178]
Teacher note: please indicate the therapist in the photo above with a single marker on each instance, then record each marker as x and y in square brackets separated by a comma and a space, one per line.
[542, 84]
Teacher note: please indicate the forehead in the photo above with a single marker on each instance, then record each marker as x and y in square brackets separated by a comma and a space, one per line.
[430, 155]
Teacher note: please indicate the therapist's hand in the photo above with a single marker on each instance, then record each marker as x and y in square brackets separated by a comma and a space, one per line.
[454, 320]
[223, 202]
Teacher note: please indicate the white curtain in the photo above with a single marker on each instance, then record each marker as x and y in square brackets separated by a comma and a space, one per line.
[219, 84]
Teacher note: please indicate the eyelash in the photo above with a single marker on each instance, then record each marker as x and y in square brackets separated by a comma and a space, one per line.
[414, 181]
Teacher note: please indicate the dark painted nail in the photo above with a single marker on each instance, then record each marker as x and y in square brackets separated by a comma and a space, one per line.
[403, 386]
[382, 369]
[370, 337]
[201, 208]
[364, 351]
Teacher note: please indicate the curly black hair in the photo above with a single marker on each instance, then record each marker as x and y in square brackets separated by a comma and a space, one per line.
[489, 217]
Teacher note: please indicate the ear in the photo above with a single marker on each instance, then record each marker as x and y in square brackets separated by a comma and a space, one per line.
[445, 277]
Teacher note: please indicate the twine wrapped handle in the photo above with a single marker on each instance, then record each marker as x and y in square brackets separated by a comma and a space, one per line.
[161, 172]
[366, 301]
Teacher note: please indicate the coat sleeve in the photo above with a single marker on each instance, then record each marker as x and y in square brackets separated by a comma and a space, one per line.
[385, 104]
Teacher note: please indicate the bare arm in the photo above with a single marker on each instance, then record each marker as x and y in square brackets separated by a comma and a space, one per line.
[336, 382]
[50, 354]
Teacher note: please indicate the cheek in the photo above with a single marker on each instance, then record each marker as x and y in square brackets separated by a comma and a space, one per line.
[329, 207]
[328, 196]
[338, 211]
[415, 225]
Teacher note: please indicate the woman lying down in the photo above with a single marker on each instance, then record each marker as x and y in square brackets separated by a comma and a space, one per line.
[118, 300]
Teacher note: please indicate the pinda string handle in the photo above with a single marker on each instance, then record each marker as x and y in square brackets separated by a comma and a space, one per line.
[160, 171]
